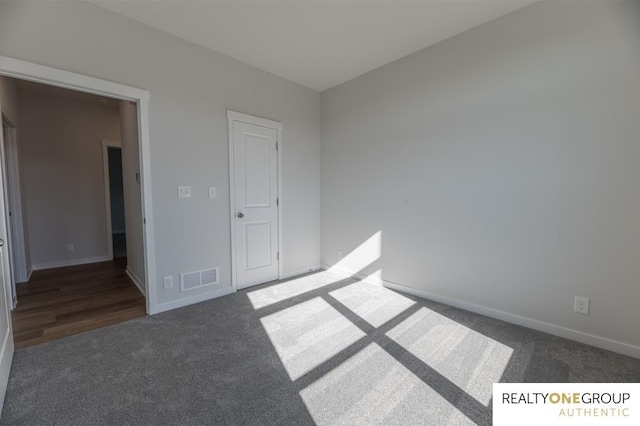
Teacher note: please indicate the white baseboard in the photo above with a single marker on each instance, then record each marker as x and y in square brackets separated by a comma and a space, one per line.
[29, 272]
[286, 275]
[70, 262]
[556, 330]
[163, 307]
[350, 274]
[137, 281]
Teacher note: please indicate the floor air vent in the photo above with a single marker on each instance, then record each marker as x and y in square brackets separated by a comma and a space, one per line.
[209, 276]
[197, 279]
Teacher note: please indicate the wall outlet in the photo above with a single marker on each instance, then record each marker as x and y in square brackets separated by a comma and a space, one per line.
[581, 305]
[184, 192]
[168, 282]
[70, 247]
[340, 254]
[213, 192]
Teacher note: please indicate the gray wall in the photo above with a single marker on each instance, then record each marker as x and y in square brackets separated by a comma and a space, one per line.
[501, 165]
[62, 169]
[132, 190]
[191, 89]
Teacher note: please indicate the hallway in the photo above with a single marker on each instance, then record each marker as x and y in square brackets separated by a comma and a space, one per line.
[65, 301]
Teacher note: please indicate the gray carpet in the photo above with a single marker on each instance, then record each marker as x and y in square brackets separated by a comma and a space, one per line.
[310, 351]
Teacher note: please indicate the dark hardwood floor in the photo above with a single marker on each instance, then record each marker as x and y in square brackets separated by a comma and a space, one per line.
[64, 301]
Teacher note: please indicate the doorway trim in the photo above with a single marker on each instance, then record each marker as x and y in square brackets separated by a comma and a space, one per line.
[16, 68]
[277, 126]
[107, 189]
[10, 236]
[22, 269]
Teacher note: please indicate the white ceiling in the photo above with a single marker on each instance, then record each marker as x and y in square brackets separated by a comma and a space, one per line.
[318, 44]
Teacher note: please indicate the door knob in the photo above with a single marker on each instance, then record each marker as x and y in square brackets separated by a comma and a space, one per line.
[1, 242]
[240, 215]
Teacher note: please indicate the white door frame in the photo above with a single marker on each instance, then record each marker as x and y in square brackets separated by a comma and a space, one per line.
[107, 189]
[21, 270]
[6, 341]
[257, 121]
[9, 212]
[11, 67]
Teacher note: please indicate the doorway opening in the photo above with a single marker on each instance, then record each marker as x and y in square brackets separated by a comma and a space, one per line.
[114, 199]
[136, 102]
[72, 164]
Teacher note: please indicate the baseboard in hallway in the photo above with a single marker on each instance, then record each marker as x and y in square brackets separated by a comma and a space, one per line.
[69, 262]
[137, 281]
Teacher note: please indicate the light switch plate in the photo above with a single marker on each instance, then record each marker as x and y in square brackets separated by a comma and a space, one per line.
[184, 192]
[168, 282]
[213, 192]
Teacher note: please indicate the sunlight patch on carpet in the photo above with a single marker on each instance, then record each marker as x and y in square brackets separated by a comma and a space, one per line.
[355, 261]
[470, 360]
[308, 334]
[288, 289]
[372, 302]
[372, 388]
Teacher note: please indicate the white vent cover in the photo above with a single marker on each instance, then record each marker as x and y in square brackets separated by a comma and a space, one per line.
[197, 279]
[209, 276]
[190, 280]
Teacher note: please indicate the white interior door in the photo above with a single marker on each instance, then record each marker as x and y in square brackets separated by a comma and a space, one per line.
[6, 332]
[255, 199]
